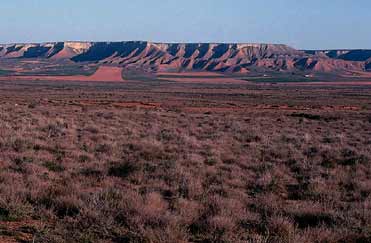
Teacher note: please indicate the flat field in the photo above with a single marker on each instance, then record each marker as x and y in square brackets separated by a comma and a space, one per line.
[184, 162]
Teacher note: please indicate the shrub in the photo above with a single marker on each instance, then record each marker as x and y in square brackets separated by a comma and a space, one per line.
[66, 207]
[5, 215]
[210, 161]
[20, 145]
[103, 148]
[83, 158]
[91, 172]
[122, 170]
[306, 116]
[53, 166]
[313, 219]
[350, 157]
[55, 129]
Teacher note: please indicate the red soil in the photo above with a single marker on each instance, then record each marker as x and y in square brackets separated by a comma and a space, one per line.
[104, 73]
[136, 105]
[133, 104]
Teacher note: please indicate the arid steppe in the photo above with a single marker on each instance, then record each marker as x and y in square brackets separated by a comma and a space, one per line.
[184, 162]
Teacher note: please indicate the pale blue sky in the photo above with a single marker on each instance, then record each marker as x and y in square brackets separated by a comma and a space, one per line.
[318, 24]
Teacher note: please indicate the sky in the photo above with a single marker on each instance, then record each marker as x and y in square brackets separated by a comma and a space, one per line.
[314, 24]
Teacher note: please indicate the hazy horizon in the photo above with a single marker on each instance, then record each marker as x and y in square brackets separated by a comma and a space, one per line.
[338, 24]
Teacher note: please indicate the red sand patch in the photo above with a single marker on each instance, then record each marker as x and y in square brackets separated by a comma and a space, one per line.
[104, 73]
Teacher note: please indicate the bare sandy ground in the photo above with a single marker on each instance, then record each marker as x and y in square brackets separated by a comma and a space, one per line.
[107, 73]
[104, 73]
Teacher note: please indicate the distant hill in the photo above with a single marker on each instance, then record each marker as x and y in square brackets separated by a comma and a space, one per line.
[219, 57]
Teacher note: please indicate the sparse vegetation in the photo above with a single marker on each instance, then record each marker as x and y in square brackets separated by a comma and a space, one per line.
[208, 164]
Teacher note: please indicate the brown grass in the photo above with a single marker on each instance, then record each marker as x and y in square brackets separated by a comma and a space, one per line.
[78, 171]
[190, 74]
[204, 80]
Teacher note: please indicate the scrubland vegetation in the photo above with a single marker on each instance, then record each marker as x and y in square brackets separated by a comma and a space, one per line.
[273, 164]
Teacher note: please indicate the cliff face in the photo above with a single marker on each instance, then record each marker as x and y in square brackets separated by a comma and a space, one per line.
[347, 55]
[235, 58]
[368, 65]
[197, 56]
[45, 50]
